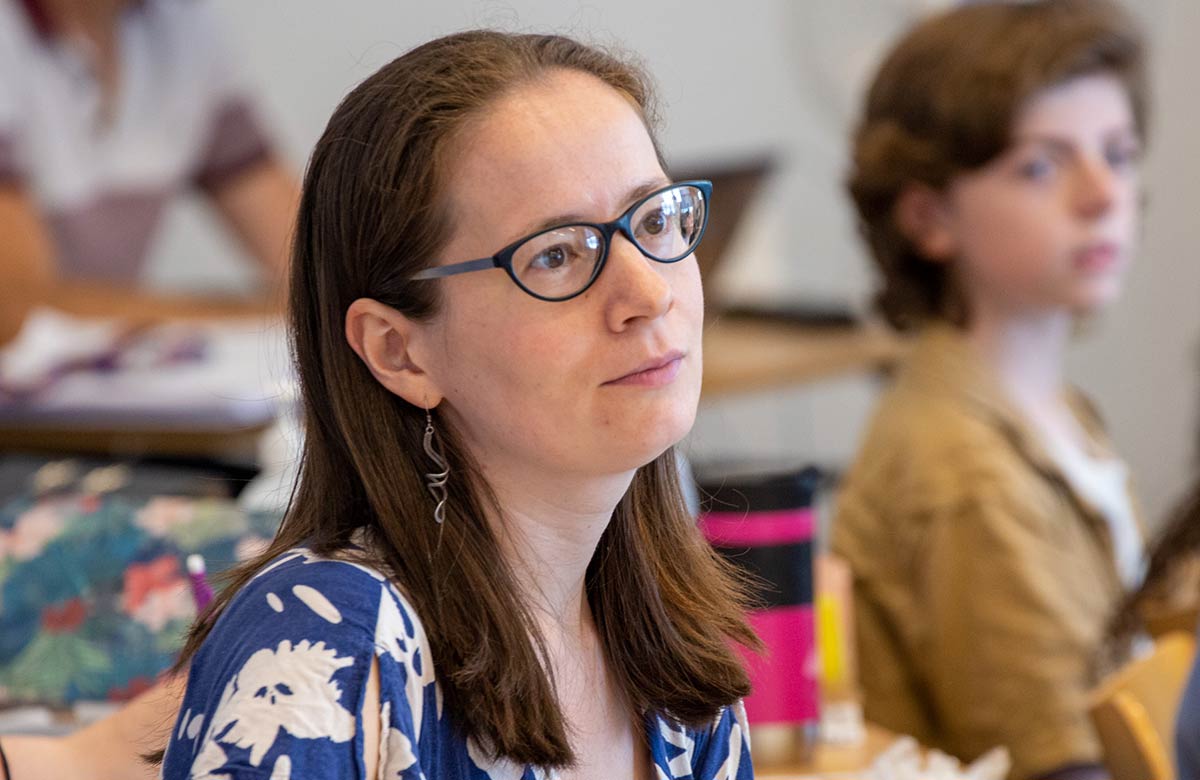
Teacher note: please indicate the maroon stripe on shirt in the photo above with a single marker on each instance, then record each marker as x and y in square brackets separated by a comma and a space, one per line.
[108, 239]
[236, 143]
[10, 168]
[41, 21]
[39, 18]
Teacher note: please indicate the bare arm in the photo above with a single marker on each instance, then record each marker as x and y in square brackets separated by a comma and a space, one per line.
[109, 749]
[372, 724]
[259, 206]
[26, 259]
[30, 275]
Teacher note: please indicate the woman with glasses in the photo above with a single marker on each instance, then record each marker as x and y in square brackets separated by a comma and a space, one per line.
[487, 569]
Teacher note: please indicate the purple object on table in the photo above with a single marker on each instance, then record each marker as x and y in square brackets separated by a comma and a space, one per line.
[202, 592]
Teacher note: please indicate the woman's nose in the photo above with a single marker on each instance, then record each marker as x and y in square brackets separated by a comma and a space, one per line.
[636, 285]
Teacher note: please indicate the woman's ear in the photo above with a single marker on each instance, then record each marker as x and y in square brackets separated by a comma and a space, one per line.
[383, 338]
[923, 216]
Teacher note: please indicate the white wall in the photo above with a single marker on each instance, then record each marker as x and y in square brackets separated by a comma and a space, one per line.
[1143, 361]
[740, 78]
[726, 78]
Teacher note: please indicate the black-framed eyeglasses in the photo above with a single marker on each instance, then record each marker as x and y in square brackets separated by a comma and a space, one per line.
[561, 262]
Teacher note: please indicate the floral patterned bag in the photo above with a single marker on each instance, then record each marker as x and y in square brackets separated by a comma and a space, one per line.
[94, 595]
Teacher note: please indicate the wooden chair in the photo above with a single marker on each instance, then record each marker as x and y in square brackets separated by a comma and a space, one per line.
[1160, 621]
[1134, 710]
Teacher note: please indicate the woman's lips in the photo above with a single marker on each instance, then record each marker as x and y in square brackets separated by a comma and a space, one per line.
[1097, 258]
[657, 373]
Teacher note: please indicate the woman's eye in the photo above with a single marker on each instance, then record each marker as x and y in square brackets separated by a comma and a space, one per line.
[551, 258]
[1036, 169]
[1123, 155]
[654, 223]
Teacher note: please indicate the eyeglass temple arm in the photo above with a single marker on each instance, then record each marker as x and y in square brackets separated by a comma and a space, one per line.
[439, 271]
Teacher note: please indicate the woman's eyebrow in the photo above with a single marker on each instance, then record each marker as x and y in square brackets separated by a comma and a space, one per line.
[1061, 144]
[636, 193]
[1054, 143]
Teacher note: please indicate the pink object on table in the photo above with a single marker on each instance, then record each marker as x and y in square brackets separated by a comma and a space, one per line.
[776, 546]
[786, 688]
[733, 529]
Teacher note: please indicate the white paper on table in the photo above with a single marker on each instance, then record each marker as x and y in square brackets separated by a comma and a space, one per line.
[241, 380]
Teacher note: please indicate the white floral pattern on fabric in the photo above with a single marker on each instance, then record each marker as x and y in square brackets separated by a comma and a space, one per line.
[407, 645]
[729, 769]
[493, 769]
[681, 764]
[316, 601]
[268, 693]
[282, 769]
[396, 749]
[209, 763]
[277, 691]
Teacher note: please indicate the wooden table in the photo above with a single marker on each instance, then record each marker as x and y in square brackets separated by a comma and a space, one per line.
[745, 354]
[844, 761]
[233, 445]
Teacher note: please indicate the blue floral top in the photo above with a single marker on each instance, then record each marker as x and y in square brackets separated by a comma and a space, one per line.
[277, 689]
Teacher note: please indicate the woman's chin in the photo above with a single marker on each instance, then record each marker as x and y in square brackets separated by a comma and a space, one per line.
[1094, 301]
[633, 446]
[659, 438]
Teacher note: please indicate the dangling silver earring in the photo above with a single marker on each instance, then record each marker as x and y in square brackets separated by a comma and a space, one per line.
[436, 481]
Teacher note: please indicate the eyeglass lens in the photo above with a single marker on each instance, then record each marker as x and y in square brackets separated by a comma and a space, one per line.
[562, 261]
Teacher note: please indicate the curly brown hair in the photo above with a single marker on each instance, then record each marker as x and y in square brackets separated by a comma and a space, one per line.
[944, 102]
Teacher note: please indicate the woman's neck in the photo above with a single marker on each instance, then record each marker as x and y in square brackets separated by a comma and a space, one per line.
[548, 536]
[1026, 351]
[92, 26]
[94, 20]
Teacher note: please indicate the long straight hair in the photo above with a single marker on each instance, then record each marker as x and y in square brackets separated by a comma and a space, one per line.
[372, 214]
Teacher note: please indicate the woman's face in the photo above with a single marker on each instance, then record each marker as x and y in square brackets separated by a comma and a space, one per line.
[1051, 224]
[598, 384]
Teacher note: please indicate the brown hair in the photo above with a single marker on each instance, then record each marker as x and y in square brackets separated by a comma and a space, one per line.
[371, 215]
[1171, 565]
[944, 102]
